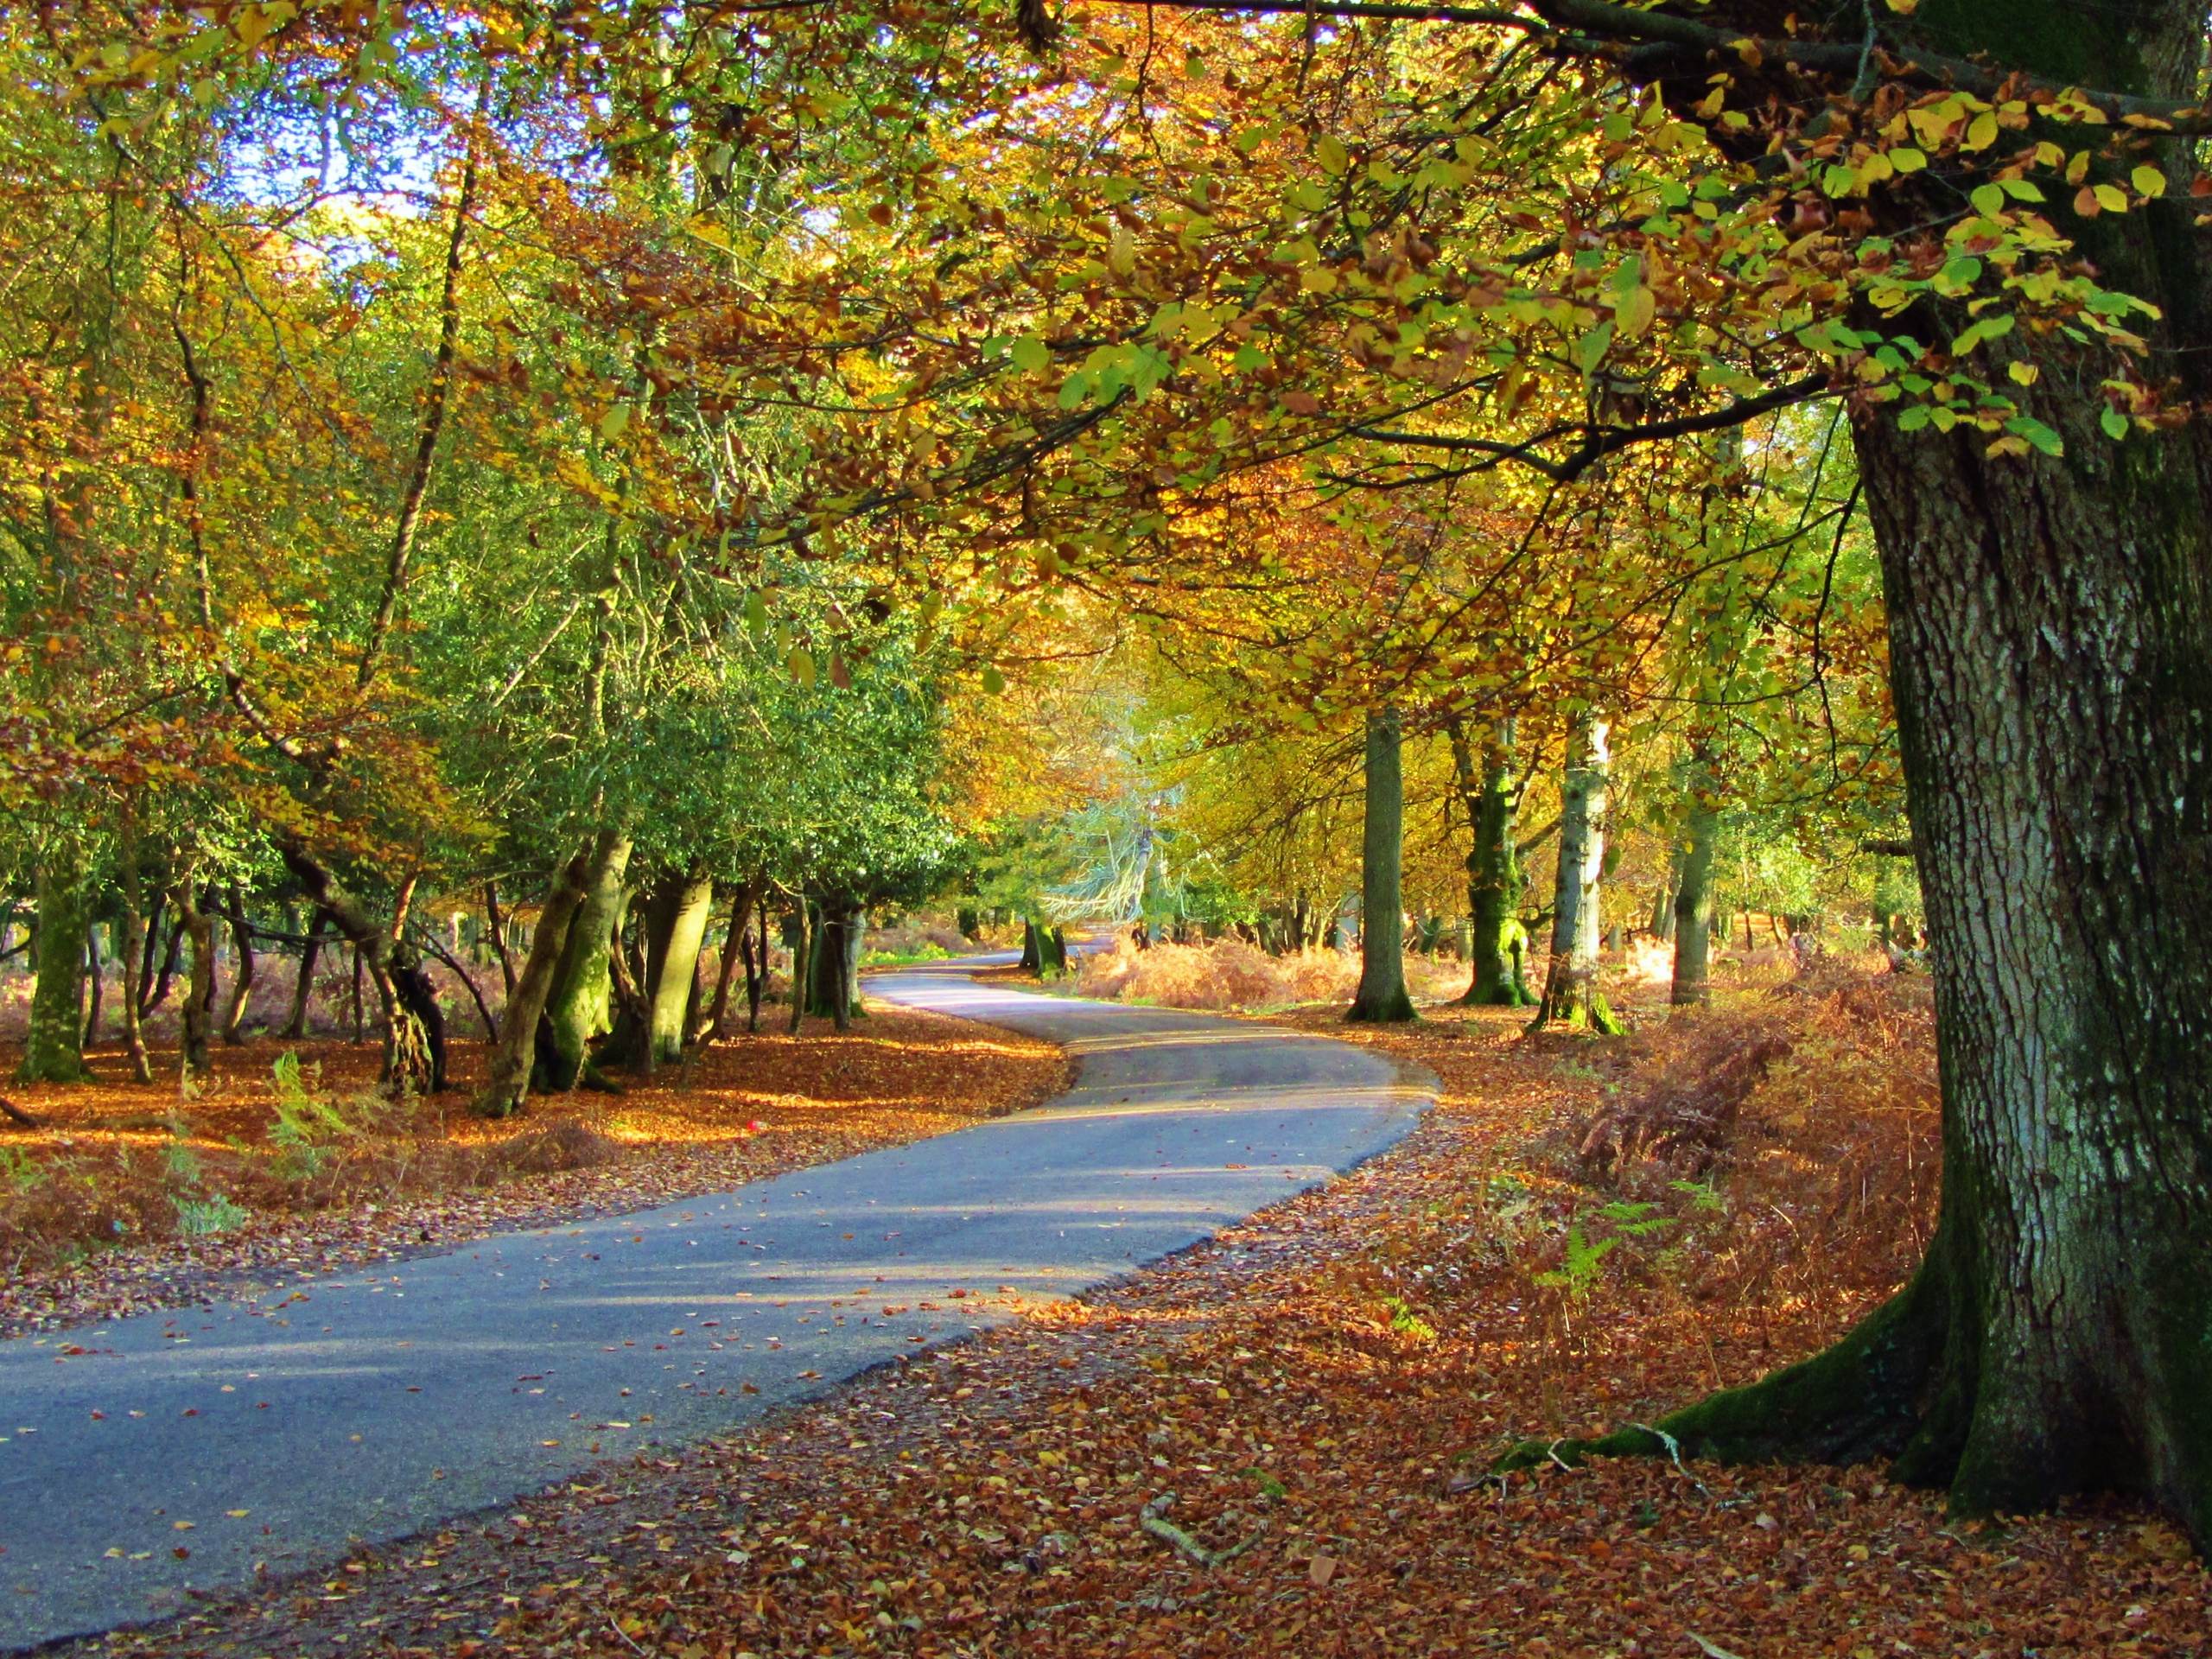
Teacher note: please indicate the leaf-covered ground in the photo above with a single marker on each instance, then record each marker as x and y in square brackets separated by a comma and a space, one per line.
[1319, 1391]
[97, 1206]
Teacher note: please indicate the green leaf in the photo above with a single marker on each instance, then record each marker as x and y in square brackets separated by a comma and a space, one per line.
[614, 422]
[1030, 354]
[2035, 433]
[993, 682]
[1988, 199]
[800, 665]
[2114, 422]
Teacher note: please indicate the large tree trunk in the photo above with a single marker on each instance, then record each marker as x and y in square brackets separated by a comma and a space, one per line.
[580, 1007]
[1571, 995]
[1693, 884]
[507, 1086]
[1497, 944]
[833, 983]
[1381, 994]
[53, 1051]
[677, 921]
[2051, 650]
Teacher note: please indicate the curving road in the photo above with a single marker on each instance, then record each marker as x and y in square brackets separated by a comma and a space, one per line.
[373, 1405]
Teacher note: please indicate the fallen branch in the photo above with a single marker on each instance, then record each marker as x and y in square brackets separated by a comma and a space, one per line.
[1154, 1519]
[16, 1114]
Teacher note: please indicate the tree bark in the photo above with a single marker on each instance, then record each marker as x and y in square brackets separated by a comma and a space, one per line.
[198, 929]
[495, 924]
[833, 981]
[295, 1024]
[414, 1033]
[582, 989]
[734, 943]
[1693, 984]
[2050, 652]
[506, 1087]
[241, 981]
[1571, 995]
[799, 961]
[130, 880]
[93, 977]
[677, 925]
[1497, 942]
[1382, 995]
[54, 1050]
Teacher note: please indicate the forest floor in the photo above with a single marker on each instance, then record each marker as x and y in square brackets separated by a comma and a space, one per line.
[1313, 1397]
[127, 1199]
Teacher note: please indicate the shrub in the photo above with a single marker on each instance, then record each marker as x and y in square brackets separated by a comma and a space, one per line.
[208, 1217]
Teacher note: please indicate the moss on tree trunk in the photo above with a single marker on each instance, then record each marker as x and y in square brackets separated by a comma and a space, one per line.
[579, 1005]
[1497, 942]
[54, 1050]
[2051, 651]
[515, 1059]
[677, 927]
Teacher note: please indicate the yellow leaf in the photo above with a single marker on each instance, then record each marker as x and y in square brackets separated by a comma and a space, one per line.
[1635, 310]
[2111, 198]
[2148, 181]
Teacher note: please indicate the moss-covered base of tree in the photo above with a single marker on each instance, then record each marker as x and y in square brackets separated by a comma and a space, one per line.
[1588, 1011]
[1488, 992]
[57, 1064]
[1871, 1395]
[1393, 1008]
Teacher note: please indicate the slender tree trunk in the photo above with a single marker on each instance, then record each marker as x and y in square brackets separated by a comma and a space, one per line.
[131, 879]
[242, 981]
[54, 1050]
[199, 931]
[800, 962]
[580, 1009]
[1382, 995]
[495, 923]
[756, 972]
[1694, 889]
[673, 962]
[361, 1022]
[295, 1024]
[93, 977]
[734, 941]
[1662, 902]
[1571, 995]
[507, 1086]
[1033, 950]
[414, 1026]
[1496, 946]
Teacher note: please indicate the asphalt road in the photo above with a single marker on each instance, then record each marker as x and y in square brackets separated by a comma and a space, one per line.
[144, 1456]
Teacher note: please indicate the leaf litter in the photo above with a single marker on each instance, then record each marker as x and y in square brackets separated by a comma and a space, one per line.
[1316, 1396]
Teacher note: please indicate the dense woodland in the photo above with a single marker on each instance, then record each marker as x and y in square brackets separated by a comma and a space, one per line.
[576, 516]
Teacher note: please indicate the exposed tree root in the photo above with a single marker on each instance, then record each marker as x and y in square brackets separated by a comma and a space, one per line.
[1863, 1398]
